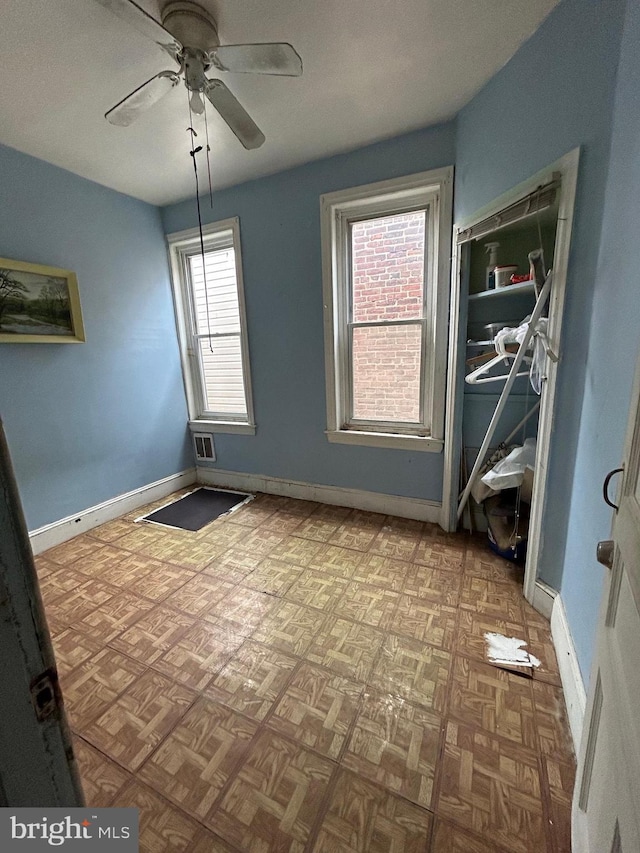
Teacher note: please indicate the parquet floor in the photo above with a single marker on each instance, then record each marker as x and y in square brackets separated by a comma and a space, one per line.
[301, 677]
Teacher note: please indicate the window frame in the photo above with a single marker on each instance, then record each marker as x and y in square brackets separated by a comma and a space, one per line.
[432, 191]
[182, 245]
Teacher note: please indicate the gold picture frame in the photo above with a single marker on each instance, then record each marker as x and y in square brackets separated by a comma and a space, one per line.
[39, 305]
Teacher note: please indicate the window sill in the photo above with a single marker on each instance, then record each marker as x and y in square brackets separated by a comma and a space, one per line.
[386, 439]
[204, 425]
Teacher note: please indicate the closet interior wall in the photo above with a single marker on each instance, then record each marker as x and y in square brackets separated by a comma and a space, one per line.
[485, 308]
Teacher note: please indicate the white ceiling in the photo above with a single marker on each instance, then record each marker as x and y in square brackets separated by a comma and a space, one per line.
[372, 69]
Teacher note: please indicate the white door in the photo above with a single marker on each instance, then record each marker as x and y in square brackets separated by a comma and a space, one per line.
[36, 762]
[606, 805]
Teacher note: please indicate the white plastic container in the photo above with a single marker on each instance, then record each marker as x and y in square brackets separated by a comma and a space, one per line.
[503, 275]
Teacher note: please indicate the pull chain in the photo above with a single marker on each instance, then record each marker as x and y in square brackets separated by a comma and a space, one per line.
[193, 152]
[206, 127]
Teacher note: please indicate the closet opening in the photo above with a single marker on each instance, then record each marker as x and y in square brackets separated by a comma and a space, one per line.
[508, 287]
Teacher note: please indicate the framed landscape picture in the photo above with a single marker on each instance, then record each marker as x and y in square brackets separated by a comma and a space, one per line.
[39, 304]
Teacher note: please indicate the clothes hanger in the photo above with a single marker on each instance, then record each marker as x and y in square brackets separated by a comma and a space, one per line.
[479, 377]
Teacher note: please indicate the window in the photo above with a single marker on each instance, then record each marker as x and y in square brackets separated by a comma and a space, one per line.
[212, 326]
[386, 285]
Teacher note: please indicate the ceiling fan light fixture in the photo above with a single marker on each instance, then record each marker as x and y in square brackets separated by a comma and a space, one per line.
[196, 103]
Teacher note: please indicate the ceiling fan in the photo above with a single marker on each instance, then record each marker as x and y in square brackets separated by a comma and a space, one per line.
[189, 35]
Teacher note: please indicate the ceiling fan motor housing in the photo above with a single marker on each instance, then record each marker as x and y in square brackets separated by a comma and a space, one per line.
[192, 25]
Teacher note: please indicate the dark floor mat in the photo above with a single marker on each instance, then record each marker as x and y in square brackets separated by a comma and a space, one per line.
[197, 509]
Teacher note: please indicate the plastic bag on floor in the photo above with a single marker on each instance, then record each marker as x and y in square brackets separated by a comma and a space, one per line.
[479, 490]
[509, 472]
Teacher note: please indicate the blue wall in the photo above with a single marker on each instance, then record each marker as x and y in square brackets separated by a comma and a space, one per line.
[280, 233]
[86, 422]
[612, 354]
[556, 93]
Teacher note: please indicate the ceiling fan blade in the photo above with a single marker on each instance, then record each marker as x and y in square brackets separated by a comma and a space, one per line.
[128, 110]
[140, 20]
[274, 58]
[234, 114]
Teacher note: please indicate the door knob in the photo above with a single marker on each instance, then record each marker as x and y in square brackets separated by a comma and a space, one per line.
[604, 552]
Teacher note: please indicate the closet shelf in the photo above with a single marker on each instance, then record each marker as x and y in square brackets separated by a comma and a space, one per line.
[510, 289]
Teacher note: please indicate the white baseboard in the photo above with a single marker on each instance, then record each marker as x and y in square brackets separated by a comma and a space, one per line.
[579, 830]
[575, 695]
[416, 508]
[543, 598]
[59, 531]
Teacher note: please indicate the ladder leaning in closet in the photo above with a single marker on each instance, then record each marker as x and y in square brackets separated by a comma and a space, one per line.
[543, 290]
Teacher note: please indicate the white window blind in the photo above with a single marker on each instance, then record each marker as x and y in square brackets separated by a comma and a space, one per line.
[212, 327]
[216, 316]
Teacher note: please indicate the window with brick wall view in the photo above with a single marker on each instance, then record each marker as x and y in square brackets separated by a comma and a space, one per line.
[386, 267]
[387, 317]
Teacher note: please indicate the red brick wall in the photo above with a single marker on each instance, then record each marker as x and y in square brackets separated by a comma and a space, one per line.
[387, 276]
